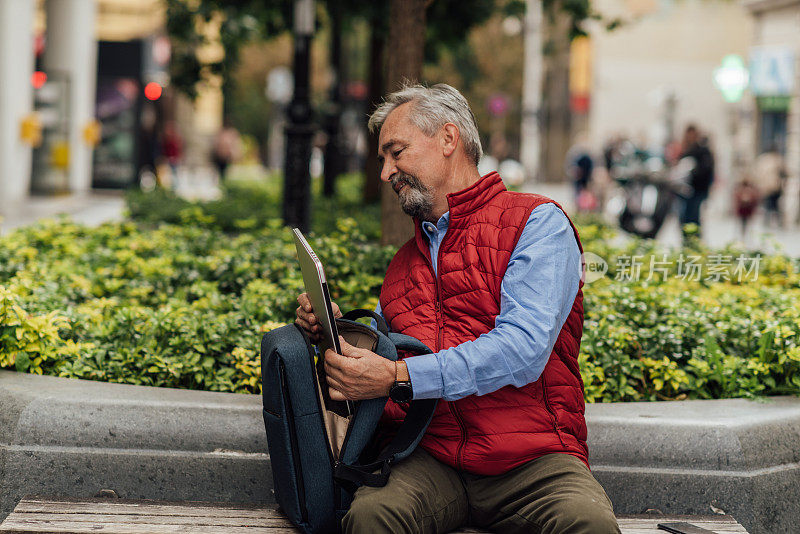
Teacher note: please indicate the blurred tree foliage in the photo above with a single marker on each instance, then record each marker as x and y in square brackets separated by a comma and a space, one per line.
[191, 24]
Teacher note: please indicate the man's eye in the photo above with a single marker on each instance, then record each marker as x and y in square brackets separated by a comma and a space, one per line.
[396, 153]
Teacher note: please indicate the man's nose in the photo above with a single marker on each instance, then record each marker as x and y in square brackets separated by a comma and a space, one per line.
[388, 169]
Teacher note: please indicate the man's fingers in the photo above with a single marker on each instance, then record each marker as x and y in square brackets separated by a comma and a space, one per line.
[335, 373]
[306, 307]
[351, 351]
[336, 395]
[337, 361]
[335, 388]
[308, 322]
[313, 335]
[306, 316]
[347, 349]
[310, 327]
[305, 302]
[313, 331]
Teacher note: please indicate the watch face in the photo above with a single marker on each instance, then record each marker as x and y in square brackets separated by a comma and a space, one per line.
[401, 392]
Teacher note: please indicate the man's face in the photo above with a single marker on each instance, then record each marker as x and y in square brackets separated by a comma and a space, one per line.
[411, 162]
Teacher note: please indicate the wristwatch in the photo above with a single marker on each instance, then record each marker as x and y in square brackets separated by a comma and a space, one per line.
[401, 390]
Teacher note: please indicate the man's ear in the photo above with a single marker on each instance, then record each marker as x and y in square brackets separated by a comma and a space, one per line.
[449, 136]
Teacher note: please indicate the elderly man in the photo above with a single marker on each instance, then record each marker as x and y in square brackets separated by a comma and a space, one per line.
[491, 281]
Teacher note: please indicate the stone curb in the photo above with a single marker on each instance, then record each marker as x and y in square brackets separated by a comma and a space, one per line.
[736, 456]
[73, 438]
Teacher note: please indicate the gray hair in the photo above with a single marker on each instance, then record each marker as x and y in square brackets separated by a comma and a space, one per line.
[432, 108]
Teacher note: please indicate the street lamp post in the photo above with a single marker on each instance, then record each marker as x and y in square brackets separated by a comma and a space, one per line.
[297, 181]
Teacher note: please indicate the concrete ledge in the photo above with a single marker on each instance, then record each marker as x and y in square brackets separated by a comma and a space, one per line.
[72, 438]
[696, 457]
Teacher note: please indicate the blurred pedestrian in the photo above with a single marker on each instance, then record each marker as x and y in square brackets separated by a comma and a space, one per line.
[580, 166]
[172, 149]
[771, 175]
[700, 177]
[745, 199]
[149, 147]
[226, 148]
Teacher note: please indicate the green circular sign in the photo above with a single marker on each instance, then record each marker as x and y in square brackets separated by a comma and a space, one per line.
[731, 77]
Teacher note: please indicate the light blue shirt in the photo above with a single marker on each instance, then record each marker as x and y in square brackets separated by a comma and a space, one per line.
[536, 295]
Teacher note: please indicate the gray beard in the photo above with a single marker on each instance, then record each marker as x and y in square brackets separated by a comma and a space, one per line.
[416, 199]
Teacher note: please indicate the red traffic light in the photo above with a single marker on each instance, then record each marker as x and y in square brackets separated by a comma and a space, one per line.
[38, 79]
[152, 91]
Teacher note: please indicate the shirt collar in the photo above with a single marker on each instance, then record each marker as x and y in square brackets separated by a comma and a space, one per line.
[431, 231]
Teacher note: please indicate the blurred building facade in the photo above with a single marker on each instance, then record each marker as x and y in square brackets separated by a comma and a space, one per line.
[74, 108]
[775, 78]
[654, 74]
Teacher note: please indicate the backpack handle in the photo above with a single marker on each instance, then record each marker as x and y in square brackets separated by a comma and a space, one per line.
[380, 322]
[409, 344]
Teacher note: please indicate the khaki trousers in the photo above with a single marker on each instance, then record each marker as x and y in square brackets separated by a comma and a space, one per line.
[554, 494]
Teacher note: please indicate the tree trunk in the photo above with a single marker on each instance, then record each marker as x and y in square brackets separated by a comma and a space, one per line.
[556, 116]
[377, 84]
[406, 49]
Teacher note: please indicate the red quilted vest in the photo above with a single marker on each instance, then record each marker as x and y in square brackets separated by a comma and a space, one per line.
[493, 433]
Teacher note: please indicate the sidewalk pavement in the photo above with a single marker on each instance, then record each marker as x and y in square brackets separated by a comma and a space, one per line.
[91, 209]
[99, 206]
[720, 227]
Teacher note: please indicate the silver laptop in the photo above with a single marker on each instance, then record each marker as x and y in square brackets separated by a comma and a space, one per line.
[317, 288]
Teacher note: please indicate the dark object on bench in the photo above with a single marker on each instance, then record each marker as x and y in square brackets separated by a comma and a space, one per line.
[682, 527]
[122, 516]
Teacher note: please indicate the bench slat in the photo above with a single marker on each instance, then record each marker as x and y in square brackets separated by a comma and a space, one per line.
[721, 524]
[147, 508]
[137, 519]
[24, 526]
[123, 516]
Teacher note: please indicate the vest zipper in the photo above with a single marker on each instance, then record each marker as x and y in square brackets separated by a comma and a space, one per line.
[551, 411]
[463, 441]
[439, 319]
[439, 343]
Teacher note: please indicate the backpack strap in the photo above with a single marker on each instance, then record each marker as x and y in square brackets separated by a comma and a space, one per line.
[418, 417]
[380, 322]
[408, 436]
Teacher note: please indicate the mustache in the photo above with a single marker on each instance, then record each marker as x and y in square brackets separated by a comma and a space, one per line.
[400, 179]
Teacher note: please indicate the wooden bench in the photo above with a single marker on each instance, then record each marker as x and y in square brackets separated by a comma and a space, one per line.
[122, 516]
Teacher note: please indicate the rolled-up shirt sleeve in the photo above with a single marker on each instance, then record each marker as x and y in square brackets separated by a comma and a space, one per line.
[536, 296]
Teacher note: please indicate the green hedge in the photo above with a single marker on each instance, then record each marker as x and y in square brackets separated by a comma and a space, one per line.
[175, 306]
[249, 204]
[185, 305]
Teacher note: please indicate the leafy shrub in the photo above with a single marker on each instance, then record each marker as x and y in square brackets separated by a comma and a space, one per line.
[252, 204]
[184, 305]
[174, 306]
[664, 336]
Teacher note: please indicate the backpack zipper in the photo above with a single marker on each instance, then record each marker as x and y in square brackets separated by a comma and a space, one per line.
[314, 381]
[298, 468]
[337, 490]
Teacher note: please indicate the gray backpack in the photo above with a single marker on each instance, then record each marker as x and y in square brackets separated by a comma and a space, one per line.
[316, 453]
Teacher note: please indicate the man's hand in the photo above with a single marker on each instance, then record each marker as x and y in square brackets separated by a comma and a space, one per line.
[358, 374]
[308, 321]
